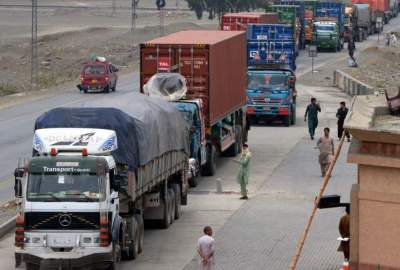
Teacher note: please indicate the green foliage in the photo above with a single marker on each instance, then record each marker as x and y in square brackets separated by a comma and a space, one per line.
[219, 7]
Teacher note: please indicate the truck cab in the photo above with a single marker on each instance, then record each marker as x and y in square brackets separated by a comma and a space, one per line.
[69, 208]
[191, 110]
[326, 35]
[271, 94]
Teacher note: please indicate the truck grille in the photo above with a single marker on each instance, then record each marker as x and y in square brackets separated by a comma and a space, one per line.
[62, 221]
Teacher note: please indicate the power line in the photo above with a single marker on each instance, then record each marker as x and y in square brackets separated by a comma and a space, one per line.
[34, 53]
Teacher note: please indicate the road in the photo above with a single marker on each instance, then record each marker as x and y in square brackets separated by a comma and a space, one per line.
[173, 250]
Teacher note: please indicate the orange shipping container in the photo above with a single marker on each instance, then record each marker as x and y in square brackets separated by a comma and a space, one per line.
[239, 21]
[213, 63]
[375, 5]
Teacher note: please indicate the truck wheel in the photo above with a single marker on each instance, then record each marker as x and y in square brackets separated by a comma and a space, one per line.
[210, 167]
[194, 181]
[165, 222]
[133, 248]
[107, 89]
[293, 119]
[139, 220]
[235, 148]
[177, 190]
[32, 266]
[172, 205]
[287, 120]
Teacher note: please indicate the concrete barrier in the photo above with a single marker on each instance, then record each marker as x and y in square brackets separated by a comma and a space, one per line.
[350, 85]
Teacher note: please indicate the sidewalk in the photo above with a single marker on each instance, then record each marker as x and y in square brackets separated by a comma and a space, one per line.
[264, 232]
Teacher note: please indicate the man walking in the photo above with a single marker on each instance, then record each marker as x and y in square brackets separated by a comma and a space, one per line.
[312, 113]
[351, 46]
[205, 249]
[326, 149]
[341, 116]
[244, 171]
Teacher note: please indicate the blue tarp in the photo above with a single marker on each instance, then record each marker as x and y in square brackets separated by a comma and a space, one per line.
[146, 127]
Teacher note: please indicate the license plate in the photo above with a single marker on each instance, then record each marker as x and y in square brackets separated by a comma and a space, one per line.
[94, 81]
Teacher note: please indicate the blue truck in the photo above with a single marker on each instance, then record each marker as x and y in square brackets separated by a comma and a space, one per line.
[271, 91]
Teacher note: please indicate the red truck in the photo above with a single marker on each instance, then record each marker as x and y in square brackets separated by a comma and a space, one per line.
[239, 21]
[98, 76]
[380, 9]
[214, 66]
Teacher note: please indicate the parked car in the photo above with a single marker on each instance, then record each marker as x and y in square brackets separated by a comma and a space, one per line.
[98, 76]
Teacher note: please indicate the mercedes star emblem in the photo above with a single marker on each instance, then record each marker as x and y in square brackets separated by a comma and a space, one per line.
[65, 220]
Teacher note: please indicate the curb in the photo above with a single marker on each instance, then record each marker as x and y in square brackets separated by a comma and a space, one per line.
[6, 227]
[350, 85]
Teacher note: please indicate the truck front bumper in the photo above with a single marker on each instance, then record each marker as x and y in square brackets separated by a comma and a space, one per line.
[87, 257]
[272, 111]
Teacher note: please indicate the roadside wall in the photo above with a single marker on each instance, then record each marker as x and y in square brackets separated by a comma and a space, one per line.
[350, 85]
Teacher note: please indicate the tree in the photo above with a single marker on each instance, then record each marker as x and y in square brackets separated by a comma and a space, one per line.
[219, 7]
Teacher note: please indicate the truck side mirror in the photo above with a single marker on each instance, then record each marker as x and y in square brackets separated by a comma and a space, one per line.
[18, 174]
[113, 196]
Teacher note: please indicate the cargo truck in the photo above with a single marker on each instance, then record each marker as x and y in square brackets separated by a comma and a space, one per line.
[288, 15]
[301, 18]
[359, 24]
[96, 174]
[271, 91]
[328, 27]
[214, 66]
[239, 21]
[380, 11]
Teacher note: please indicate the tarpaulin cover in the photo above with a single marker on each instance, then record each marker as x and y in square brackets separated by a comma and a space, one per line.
[146, 127]
[169, 86]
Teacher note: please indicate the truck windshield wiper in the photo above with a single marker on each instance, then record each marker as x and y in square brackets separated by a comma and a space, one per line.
[48, 194]
[86, 197]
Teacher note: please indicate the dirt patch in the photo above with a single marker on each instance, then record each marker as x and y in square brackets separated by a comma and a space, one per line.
[379, 67]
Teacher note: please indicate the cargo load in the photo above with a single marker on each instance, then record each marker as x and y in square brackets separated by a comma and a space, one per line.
[271, 44]
[212, 62]
[239, 21]
[139, 122]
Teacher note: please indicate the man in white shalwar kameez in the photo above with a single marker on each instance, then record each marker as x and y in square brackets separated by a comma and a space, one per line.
[205, 249]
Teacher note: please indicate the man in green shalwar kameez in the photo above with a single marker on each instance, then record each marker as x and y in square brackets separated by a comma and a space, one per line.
[244, 171]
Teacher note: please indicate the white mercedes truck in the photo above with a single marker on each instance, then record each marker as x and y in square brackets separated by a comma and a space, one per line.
[96, 174]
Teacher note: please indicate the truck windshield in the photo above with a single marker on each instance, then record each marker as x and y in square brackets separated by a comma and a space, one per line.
[94, 70]
[325, 27]
[64, 187]
[258, 80]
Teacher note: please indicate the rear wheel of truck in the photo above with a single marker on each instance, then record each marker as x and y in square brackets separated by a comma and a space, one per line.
[177, 190]
[140, 222]
[235, 148]
[165, 222]
[194, 180]
[172, 205]
[210, 167]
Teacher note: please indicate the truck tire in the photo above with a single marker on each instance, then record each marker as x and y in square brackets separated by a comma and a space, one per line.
[210, 167]
[32, 266]
[165, 222]
[177, 190]
[287, 120]
[133, 247]
[140, 222]
[171, 205]
[293, 119]
[235, 148]
[193, 182]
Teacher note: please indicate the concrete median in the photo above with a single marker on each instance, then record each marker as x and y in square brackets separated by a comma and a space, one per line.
[350, 85]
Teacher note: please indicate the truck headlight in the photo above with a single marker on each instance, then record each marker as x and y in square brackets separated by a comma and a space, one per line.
[27, 240]
[87, 240]
[36, 240]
